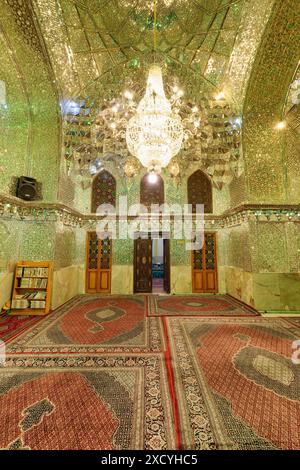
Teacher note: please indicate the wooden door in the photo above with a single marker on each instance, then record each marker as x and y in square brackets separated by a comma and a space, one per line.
[143, 265]
[167, 265]
[204, 266]
[98, 264]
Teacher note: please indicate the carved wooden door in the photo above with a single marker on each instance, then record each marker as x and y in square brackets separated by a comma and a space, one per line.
[204, 266]
[98, 264]
[143, 265]
[167, 286]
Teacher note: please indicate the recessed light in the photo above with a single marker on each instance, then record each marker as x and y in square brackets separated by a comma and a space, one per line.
[152, 178]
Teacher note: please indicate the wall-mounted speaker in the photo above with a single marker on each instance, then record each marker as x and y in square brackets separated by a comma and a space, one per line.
[27, 188]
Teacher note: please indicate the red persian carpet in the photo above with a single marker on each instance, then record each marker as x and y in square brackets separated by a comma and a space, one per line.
[102, 402]
[99, 373]
[197, 305]
[10, 325]
[236, 383]
[94, 324]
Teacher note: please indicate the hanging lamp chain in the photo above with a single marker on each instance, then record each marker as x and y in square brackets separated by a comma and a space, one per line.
[155, 27]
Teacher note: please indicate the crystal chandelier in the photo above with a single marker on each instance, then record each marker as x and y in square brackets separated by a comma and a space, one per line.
[154, 135]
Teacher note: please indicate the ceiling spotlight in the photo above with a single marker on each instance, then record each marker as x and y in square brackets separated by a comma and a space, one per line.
[152, 178]
[281, 125]
[115, 108]
[220, 95]
[113, 125]
[180, 93]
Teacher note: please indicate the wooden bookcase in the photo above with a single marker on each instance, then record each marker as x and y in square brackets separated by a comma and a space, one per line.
[32, 288]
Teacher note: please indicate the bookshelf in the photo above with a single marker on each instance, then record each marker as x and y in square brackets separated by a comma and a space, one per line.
[32, 288]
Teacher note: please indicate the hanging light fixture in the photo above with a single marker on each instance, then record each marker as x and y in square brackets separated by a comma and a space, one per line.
[154, 135]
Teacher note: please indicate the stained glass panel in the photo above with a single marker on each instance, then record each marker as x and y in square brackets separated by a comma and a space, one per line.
[105, 253]
[93, 250]
[210, 251]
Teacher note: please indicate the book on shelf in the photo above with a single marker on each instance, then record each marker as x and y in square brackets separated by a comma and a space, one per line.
[33, 282]
[26, 304]
[31, 272]
[19, 304]
[32, 295]
[32, 288]
[37, 304]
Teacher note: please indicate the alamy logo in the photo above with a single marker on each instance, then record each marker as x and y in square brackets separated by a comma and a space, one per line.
[2, 353]
[296, 353]
[295, 92]
[174, 221]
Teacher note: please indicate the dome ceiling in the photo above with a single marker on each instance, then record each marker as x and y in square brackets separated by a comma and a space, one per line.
[99, 48]
[106, 40]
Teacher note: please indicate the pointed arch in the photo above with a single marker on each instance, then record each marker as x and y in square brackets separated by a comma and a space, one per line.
[103, 190]
[200, 191]
[152, 193]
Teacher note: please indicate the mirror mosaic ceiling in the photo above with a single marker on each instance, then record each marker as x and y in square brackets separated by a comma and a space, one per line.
[99, 48]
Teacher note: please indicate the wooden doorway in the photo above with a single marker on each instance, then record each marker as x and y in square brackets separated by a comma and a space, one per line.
[98, 264]
[145, 269]
[167, 267]
[143, 264]
[204, 266]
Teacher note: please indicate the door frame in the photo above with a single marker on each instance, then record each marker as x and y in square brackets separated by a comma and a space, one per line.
[168, 291]
[98, 271]
[205, 291]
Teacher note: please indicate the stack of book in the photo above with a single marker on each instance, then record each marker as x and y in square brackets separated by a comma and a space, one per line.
[31, 272]
[23, 300]
[37, 304]
[16, 303]
[33, 282]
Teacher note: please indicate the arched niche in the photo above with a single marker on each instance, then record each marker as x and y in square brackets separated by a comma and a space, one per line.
[199, 188]
[152, 193]
[103, 190]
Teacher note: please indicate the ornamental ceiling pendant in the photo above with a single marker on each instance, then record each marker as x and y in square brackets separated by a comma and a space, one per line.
[155, 134]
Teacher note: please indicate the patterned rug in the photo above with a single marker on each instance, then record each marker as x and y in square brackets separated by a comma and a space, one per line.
[293, 320]
[11, 326]
[236, 385]
[98, 373]
[94, 324]
[102, 402]
[197, 305]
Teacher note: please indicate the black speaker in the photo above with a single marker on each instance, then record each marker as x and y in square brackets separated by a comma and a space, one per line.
[27, 188]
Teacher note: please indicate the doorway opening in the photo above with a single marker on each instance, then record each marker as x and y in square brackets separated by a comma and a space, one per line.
[151, 264]
[158, 267]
